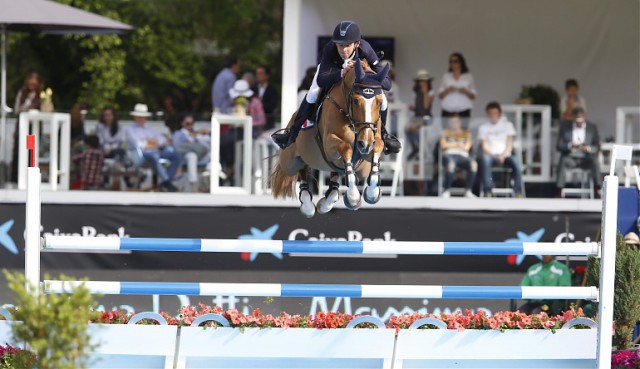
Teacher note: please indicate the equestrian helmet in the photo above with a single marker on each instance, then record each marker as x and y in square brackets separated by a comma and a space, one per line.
[346, 32]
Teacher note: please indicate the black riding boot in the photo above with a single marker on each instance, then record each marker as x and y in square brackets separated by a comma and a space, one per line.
[287, 136]
[391, 143]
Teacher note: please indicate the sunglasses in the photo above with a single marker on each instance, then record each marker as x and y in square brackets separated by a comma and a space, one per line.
[188, 123]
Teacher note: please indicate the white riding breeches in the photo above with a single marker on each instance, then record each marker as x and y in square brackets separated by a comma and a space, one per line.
[314, 90]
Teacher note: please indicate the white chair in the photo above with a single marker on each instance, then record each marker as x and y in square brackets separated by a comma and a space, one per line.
[581, 176]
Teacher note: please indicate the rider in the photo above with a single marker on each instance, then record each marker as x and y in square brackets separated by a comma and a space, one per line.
[338, 57]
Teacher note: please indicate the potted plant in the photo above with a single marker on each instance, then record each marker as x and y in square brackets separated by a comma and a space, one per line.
[626, 296]
[53, 326]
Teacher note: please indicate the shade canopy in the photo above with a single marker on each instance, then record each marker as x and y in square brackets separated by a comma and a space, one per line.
[51, 17]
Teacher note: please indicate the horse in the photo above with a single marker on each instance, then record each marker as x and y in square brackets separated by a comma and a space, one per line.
[346, 140]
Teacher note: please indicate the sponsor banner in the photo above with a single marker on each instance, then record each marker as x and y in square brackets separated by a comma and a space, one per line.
[287, 223]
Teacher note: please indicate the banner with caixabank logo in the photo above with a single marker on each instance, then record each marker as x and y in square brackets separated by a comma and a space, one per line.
[287, 223]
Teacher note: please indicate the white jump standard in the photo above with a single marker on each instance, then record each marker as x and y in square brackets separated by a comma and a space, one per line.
[604, 293]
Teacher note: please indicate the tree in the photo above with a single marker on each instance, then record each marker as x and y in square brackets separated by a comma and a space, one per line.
[175, 50]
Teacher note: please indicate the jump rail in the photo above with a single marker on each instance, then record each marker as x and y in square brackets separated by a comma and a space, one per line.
[71, 243]
[326, 290]
[603, 294]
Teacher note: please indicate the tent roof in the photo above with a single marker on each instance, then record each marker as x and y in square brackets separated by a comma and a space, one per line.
[51, 17]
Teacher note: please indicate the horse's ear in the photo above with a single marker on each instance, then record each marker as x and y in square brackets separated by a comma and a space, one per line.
[359, 71]
[380, 76]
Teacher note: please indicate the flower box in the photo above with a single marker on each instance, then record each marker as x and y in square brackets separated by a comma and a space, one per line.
[439, 348]
[5, 334]
[133, 346]
[285, 348]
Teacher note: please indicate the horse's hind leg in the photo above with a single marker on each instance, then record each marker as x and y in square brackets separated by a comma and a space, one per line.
[332, 195]
[307, 206]
[372, 190]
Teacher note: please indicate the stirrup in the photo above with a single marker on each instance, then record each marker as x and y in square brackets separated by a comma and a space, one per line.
[281, 137]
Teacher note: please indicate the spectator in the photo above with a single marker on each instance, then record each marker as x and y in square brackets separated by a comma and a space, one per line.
[305, 85]
[153, 147]
[29, 95]
[192, 146]
[550, 273]
[110, 134]
[245, 102]
[222, 84]
[578, 144]
[171, 115]
[457, 89]
[90, 162]
[496, 148]
[28, 98]
[422, 109]
[268, 95]
[571, 101]
[77, 114]
[455, 144]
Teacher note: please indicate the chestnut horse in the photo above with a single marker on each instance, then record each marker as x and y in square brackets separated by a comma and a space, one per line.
[345, 141]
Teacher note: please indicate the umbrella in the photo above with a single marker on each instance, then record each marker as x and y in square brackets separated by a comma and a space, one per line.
[48, 17]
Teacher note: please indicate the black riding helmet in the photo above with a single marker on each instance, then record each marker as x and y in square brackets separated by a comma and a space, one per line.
[346, 32]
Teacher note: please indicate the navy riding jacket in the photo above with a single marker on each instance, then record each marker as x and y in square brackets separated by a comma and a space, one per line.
[331, 64]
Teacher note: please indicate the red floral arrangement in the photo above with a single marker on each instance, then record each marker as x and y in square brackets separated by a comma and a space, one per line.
[625, 360]
[460, 321]
[13, 357]
[502, 320]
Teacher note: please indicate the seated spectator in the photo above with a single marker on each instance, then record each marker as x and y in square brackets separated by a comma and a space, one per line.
[267, 94]
[578, 144]
[110, 134]
[549, 273]
[90, 161]
[423, 93]
[455, 144]
[571, 101]
[193, 146]
[496, 148]
[153, 147]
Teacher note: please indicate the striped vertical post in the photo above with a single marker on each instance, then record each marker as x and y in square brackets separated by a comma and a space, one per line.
[32, 225]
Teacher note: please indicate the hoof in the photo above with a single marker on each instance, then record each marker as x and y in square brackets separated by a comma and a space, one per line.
[324, 206]
[308, 211]
[374, 199]
[349, 205]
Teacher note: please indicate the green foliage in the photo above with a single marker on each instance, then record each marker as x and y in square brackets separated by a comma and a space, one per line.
[543, 95]
[53, 325]
[175, 49]
[626, 298]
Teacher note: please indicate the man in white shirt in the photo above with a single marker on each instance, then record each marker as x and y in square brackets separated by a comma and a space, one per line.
[496, 148]
[578, 144]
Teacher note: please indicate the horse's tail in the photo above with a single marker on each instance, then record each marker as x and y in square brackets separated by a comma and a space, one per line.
[282, 184]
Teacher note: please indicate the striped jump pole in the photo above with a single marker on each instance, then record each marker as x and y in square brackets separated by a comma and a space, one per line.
[326, 290]
[71, 243]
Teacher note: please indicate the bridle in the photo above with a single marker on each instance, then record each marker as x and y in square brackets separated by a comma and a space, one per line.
[356, 126]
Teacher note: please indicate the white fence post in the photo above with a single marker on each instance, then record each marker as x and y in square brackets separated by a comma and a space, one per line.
[609, 233]
[247, 124]
[32, 228]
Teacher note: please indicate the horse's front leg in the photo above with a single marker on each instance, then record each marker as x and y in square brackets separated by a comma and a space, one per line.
[307, 208]
[332, 195]
[352, 198]
[372, 192]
